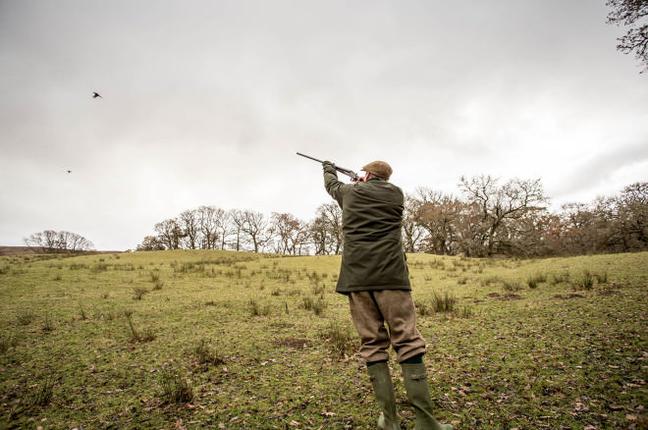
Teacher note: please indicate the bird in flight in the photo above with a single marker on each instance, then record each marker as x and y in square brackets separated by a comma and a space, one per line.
[69, 171]
[95, 95]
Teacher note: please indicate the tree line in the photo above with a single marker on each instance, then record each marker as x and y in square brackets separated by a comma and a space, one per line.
[58, 241]
[490, 217]
[209, 227]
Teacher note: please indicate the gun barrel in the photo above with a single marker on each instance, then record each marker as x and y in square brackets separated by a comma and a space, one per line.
[308, 156]
[350, 173]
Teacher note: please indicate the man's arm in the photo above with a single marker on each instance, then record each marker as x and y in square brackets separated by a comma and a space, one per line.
[333, 186]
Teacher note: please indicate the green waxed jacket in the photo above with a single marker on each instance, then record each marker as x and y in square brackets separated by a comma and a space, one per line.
[372, 212]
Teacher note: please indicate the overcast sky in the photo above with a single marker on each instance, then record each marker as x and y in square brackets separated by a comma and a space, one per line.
[205, 103]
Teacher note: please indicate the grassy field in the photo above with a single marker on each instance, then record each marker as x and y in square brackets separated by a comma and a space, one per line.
[202, 339]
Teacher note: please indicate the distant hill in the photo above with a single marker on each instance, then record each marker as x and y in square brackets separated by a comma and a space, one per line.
[21, 250]
[18, 250]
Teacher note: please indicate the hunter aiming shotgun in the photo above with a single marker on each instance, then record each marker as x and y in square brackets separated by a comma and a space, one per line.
[375, 278]
[350, 173]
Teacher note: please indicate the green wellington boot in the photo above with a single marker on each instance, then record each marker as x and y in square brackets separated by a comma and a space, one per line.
[384, 392]
[418, 394]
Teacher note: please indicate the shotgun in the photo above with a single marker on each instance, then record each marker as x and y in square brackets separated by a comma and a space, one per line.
[350, 173]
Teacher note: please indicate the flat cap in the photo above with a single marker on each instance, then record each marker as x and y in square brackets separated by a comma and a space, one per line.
[379, 168]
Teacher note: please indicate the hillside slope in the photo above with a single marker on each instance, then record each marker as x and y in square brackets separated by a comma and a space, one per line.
[199, 339]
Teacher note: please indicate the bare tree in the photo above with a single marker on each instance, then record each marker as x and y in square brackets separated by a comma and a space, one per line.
[47, 239]
[224, 226]
[169, 233]
[150, 243]
[632, 14]
[629, 224]
[208, 226]
[189, 222]
[437, 213]
[499, 204]
[255, 227]
[237, 219]
[318, 233]
[634, 213]
[63, 241]
[288, 232]
[413, 232]
[331, 215]
[577, 223]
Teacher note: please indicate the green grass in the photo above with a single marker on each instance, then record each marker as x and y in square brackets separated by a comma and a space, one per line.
[241, 341]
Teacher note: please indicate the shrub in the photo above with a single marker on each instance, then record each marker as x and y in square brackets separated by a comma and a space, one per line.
[175, 389]
[318, 289]
[136, 336]
[601, 278]
[423, 308]
[466, 312]
[511, 286]
[205, 355]
[48, 324]
[338, 338]
[157, 285]
[317, 305]
[138, 293]
[490, 280]
[99, 267]
[258, 310]
[536, 279]
[444, 303]
[584, 282]
[558, 278]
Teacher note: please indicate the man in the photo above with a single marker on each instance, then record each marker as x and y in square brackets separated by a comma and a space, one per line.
[374, 276]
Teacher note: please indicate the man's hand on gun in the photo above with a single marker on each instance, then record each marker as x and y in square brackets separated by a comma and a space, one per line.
[332, 168]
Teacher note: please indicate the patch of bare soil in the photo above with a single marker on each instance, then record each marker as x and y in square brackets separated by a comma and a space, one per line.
[511, 296]
[569, 296]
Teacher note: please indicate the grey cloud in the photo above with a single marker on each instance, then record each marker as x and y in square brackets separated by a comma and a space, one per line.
[597, 169]
[205, 102]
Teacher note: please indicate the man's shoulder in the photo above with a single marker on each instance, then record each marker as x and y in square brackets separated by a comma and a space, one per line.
[384, 185]
[376, 188]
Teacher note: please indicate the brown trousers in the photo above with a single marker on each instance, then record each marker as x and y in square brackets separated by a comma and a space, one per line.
[371, 309]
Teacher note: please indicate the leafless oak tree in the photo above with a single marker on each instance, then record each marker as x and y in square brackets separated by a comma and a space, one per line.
[289, 233]
[169, 233]
[63, 241]
[499, 204]
[632, 14]
[255, 226]
[189, 222]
